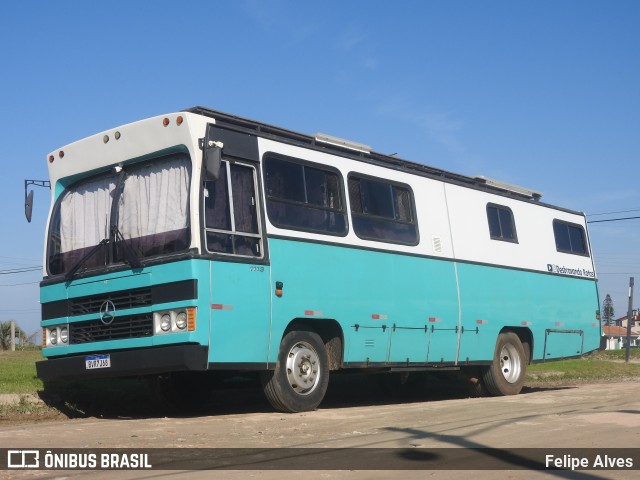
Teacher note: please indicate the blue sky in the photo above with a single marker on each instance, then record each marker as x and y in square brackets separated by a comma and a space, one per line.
[543, 94]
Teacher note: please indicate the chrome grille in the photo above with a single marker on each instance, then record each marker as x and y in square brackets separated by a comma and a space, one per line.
[139, 297]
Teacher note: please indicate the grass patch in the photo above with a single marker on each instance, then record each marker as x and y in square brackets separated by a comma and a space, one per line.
[588, 369]
[634, 354]
[102, 397]
[18, 371]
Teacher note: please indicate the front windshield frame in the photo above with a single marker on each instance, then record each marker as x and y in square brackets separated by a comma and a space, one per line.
[154, 194]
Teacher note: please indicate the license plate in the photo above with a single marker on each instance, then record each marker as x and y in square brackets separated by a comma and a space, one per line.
[97, 361]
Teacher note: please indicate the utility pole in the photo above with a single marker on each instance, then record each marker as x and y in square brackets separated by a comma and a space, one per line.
[13, 336]
[629, 318]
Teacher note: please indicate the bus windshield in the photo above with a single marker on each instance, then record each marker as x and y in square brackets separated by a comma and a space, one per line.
[146, 204]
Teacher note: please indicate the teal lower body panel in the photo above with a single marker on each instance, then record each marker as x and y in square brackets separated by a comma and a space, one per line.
[402, 309]
[240, 313]
[382, 302]
[390, 309]
[496, 298]
[408, 345]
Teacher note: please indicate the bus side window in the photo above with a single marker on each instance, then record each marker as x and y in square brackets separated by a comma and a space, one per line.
[501, 223]
[570, 238]
[382, 211]
[303, 196]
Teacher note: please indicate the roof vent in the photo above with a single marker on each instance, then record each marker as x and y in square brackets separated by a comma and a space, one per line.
[341, 142]
[509, 187]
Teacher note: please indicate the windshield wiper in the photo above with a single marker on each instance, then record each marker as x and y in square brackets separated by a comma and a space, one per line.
[132, 258]
[71, 273]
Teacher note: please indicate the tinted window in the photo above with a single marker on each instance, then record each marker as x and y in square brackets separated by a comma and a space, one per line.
[304, 197]
[570, 238]
[501, 223]
[231, 216]
[382, 211]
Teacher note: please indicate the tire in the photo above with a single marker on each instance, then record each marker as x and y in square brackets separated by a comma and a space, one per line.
[474, 381]
[505, 376]
[300, 379]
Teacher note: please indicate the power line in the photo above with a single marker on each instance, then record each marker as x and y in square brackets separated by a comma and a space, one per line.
[613, 220]
[617, 273]
[16, 311]
[612, 212]
[20, 270]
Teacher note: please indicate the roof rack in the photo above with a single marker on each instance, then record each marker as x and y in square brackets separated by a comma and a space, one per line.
[361, 152]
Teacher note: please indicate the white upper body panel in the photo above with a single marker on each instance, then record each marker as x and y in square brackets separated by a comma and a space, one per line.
[452, 220]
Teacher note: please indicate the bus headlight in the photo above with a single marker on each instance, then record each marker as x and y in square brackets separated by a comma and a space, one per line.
[181, 320]
[165, 322]
[55, 336]
[174, 321]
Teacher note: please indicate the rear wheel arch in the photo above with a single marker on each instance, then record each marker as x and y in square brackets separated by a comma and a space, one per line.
[526, 337]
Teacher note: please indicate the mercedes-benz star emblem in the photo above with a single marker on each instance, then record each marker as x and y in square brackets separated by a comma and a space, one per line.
[107, 312]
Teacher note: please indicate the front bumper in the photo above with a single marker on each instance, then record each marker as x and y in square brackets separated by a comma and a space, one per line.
[127, 363]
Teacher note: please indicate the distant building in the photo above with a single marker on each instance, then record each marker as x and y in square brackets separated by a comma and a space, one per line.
[615, 337]
[622, 321]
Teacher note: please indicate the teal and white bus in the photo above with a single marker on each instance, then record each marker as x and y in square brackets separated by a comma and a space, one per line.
[201, 242]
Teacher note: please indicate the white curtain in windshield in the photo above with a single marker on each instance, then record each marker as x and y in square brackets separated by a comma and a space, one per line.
[85, 214]
[155, 199]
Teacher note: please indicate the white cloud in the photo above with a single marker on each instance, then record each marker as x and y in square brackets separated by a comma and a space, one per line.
[354, 43]
[443, 128]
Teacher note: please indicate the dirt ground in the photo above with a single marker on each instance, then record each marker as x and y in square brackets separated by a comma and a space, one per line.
[598, 416]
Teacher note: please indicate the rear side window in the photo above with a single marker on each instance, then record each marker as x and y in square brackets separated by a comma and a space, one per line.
[570, 238]
[382, 211]
[303, 196]
[501, 223]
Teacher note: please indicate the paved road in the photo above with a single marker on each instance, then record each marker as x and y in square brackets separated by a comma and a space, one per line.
[589, 416]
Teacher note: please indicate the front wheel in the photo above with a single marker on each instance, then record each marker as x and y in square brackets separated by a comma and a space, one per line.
[505, 376]
[300, 379]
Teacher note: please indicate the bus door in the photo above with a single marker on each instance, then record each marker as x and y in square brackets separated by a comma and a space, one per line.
[240, 276]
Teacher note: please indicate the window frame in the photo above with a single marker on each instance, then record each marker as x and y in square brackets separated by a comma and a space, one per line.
[391, 183]
[226, 164]
[583, 234]
[306, 164]
[502, 238]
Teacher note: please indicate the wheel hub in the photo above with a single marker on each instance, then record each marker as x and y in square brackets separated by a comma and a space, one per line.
[303, 368]
[510, 363]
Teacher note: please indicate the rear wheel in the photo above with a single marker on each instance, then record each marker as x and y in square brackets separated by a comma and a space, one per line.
[505, 376]
[300, 379]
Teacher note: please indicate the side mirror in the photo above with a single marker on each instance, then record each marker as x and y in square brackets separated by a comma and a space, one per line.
[28, 197]
[28, 206]
[211, 154]
[212, 158]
